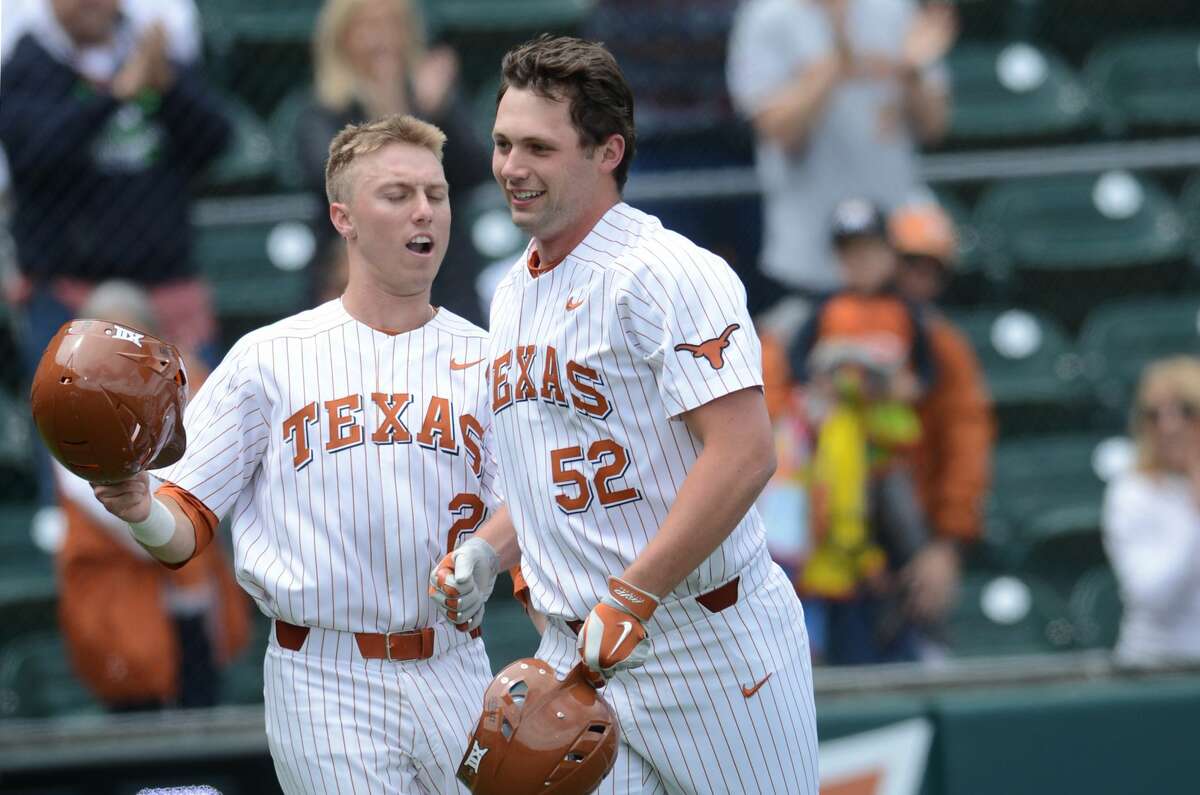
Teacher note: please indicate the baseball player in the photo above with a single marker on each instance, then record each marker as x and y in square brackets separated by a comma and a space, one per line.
[631, 428]
[349, 446]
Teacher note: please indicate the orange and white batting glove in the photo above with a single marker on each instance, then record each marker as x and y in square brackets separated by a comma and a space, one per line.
[462, 582]
[613, 636]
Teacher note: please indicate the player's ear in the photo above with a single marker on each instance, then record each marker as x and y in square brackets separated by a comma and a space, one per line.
[339, 214]
[612, 152]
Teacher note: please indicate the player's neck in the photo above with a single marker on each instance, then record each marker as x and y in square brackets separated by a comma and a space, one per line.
[553, 249]
[395, 314]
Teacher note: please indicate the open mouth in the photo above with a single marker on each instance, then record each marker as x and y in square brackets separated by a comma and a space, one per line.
[421, 244]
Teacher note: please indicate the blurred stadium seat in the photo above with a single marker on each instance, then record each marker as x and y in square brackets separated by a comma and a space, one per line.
[1147, 83]
[1034, 374]
[1078, 239]
[1001, 614]
[1014, 92]
[256, 269]
[1095, 608]
[282, 126]
[16, 450]
[1050, 487]
[36, 680]
[249, 161]
[1121, 338]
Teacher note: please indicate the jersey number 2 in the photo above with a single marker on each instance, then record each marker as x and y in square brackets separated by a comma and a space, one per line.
[470, 510]
[610, 460]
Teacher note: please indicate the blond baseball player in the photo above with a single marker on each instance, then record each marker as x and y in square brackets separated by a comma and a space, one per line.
[349, 446]
[630, 425]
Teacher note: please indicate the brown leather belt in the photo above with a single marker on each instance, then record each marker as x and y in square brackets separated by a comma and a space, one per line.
[713, 601]
[416, 644]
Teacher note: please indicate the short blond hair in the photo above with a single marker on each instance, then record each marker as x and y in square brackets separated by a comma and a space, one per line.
[356, 140]
[1178, 375]
[336, 83]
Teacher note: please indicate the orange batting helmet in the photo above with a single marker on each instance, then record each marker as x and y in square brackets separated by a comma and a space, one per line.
[108, 400]
[539, 735]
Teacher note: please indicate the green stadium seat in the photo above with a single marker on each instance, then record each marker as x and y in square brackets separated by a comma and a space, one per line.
[16, 448]
[242, 682]
[1189, 207]
[1076, 240]
[1034, 374]
[1147, 82]
[282, 127]
[249, 160]
[1095, 608]
[36, 680]
[451, 16]
[256, 268]
[1001, 614]
[1119, 339]
[261, 20]
[1047, 490]
[1013, 91]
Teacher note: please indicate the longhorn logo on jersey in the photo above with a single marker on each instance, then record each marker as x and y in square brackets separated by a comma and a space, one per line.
[713, 350]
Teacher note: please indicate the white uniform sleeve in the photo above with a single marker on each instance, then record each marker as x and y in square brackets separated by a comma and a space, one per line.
[227, 432]
[1154, 549]
[692, 327]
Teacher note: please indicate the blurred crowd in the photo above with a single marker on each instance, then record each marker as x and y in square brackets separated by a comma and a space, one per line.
[882, 411]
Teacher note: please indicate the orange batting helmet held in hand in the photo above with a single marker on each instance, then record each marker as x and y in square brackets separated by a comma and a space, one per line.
[539, 735]
[108, 400]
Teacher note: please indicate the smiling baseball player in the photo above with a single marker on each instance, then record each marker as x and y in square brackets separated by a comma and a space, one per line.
[348, 444]
[631, 427]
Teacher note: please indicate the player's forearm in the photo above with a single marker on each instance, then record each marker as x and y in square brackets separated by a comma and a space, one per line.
[182, 543]
[500, 532]
[786, 118]
[735, 463]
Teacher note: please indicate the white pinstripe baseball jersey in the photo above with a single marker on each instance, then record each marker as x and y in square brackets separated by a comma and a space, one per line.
[592, 362]
[349, 459]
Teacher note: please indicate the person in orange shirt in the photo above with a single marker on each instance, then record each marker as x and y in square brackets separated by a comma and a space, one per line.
[952, 462]
[864, 359]
[140, 636]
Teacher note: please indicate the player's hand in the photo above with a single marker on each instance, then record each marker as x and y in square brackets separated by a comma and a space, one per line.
[462, 582]
[613, 636]
[128, 500]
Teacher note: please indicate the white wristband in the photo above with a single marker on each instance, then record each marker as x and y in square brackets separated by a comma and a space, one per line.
[158, 528]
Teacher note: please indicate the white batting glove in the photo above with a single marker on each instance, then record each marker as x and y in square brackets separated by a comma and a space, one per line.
[613, 636]
[462, 582]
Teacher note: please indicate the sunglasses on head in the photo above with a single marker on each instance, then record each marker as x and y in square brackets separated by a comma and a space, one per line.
[1152, 414]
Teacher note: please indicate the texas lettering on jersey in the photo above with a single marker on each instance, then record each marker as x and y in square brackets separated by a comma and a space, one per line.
[345, 424]
[522, 382]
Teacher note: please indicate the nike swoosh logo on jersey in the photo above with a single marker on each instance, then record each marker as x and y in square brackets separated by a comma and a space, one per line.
[463, 365]
[572, 303]
[627, 627]
[748, 691]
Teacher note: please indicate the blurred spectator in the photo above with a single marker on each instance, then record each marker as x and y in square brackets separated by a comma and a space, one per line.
[371, 61]
[106, 123]
[868, 355]
[838, 92]
[141, 636]
[1151, 520]
[952, 462]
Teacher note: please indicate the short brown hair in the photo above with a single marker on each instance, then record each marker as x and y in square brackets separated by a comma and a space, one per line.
[356, 140]
[585, 74]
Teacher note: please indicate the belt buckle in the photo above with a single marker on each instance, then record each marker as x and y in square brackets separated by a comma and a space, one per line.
[387, 646]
